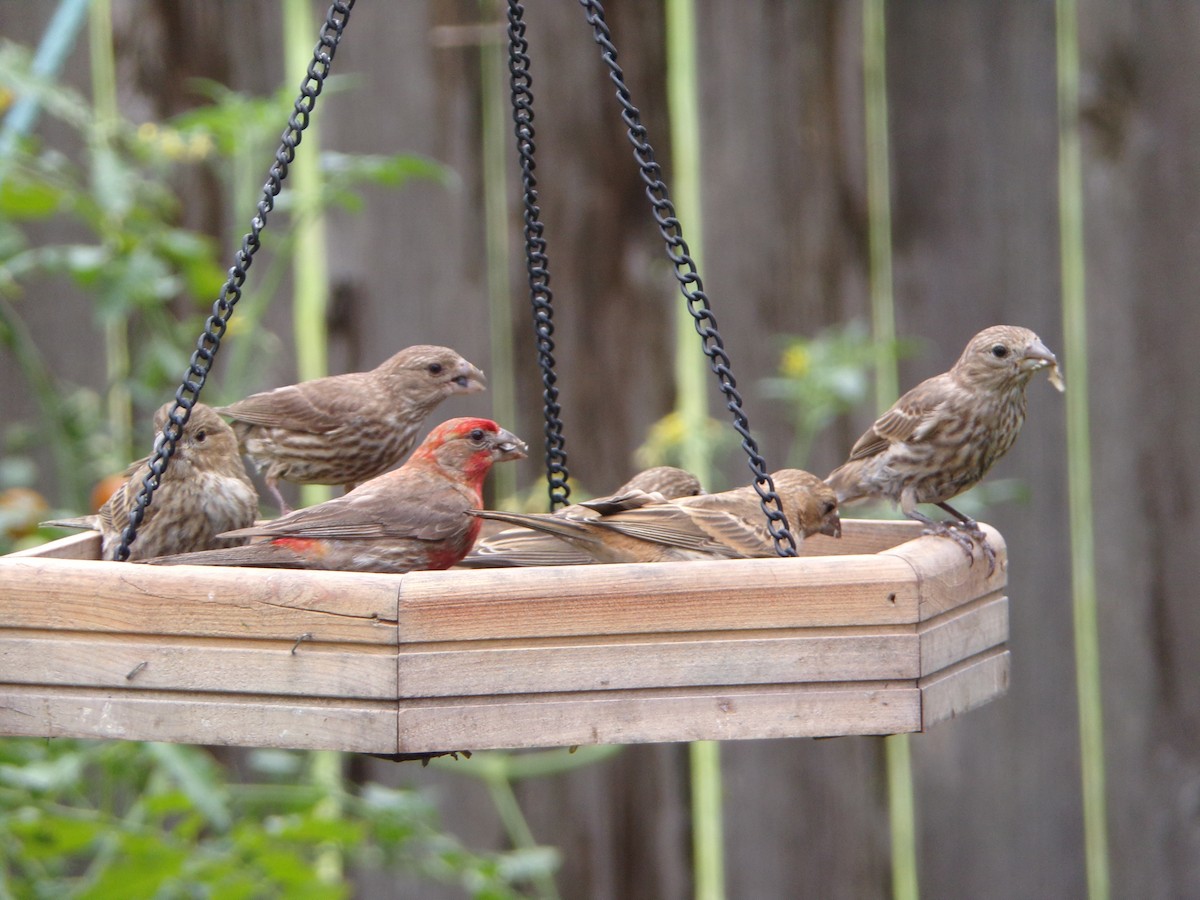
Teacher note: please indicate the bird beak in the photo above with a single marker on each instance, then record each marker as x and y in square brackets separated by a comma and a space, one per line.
[833, 527]
[470, 379]
[1038, 356]
[506, 445]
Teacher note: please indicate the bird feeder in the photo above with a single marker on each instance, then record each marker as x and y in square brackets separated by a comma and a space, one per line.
[882, 632]
[885, 631]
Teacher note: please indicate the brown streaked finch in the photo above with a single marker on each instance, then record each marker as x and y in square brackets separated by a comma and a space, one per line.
[204, 492]
[941, 437]
[345, 429]
[728, 525]
[527, 547]
[414, 517]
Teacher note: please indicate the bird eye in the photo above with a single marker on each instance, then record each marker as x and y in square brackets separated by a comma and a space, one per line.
[435, 368]
[201, 436]
[999, 351]
[477, 435]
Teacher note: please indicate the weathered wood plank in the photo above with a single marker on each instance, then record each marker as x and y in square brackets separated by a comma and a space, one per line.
[862, 536]
[85, 545]
[636, 661]
[963, 632]
[122, 662]
[207, 601]
[645, 716]
[944, 582]
[656, 597]
[246, 721]
[964, 686]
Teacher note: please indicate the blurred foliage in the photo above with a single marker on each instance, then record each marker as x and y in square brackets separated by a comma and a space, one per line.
[115, 187]
[826, 376]
[98, 819]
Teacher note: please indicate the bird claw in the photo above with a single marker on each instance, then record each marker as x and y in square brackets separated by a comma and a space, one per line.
[966, 536]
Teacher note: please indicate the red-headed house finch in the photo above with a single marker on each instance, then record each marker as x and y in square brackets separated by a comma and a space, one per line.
[941, 437]
[728, 525]
[204, 491]
[412, 518]
[344, 429]
[526, 547]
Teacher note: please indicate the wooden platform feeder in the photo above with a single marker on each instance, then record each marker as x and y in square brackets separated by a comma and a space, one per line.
[882, 632]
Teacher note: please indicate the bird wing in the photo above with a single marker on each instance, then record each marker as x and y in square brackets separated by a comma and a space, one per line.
[906, 419]
[717, 527]
[300, 407]
[352, 518]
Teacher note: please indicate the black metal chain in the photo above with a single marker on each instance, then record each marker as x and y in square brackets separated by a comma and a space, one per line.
[689, 281]
[536, 261]
[209, 342]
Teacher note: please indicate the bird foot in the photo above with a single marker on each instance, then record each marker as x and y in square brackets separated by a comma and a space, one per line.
[966, 537]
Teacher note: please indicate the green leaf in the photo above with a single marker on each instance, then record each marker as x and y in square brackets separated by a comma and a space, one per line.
[29, 200]
[47, 836]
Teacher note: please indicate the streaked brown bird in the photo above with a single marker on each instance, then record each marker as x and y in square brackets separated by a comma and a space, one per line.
[728, 525]
[526, 547]
[204, 492]
[344, 429]
[412, 518]
[941, 437]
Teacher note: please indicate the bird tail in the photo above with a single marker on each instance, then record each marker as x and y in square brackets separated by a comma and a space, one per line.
[559, 526]
[262, 554]
[516, 547]
[846, 481]
[85, 523]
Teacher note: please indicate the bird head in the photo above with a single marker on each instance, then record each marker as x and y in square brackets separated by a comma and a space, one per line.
[1006, 356]
[206, 438]
[809, 503]
[436, 372]
[469, 446]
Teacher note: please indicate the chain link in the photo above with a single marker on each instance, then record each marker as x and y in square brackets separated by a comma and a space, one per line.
[536, 261]
[689, 281]
[188, 393]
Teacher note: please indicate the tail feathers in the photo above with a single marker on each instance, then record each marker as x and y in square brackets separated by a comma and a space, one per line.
[86, 523]
[846, 482]
[517, 547]
[559, 526]
[262, 555]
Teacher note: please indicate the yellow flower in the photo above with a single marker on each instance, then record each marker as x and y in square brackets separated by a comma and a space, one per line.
[200, 146]
[796, 361]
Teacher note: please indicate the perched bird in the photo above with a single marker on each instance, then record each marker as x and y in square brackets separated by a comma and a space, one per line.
[204, 492]
[527, 547]
[412, 518]
[640, 527]
[941, 437]
[344, 429]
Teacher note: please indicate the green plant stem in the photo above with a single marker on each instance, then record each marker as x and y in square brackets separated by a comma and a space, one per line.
[897, 748]
[683, 98]
[515, 825]
[325, 771]
[1079, 465]
[116, 331]
[310, 271]
[495, 140]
